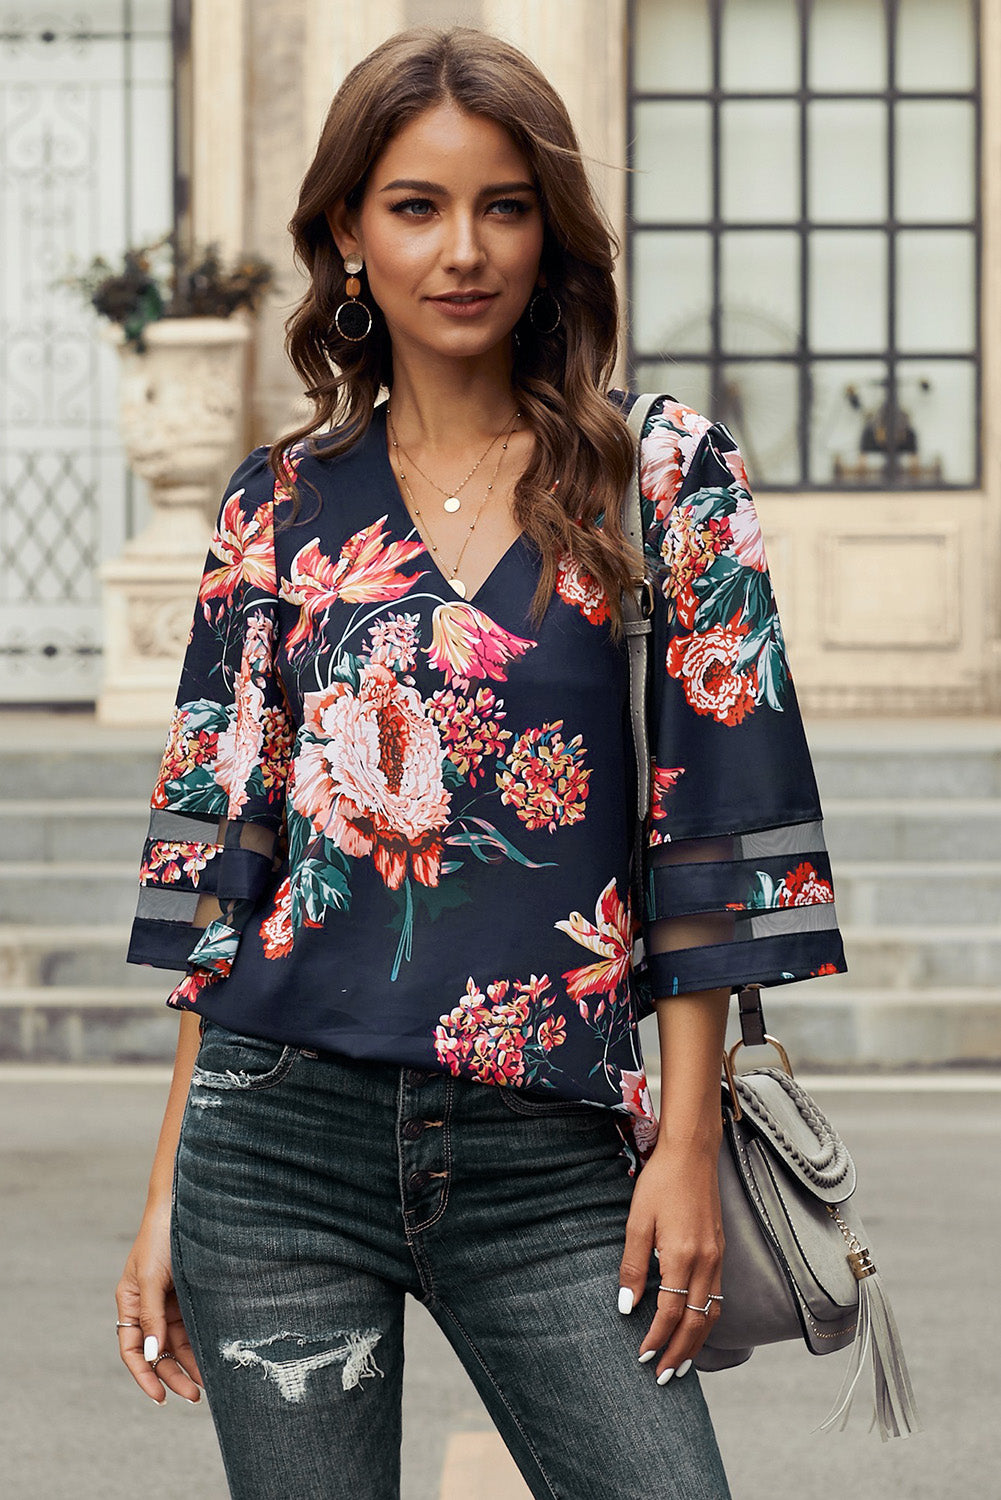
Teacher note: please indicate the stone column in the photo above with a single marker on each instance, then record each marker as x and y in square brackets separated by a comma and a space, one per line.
[180, 405]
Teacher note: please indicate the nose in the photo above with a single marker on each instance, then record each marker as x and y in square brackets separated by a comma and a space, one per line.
[463, 249]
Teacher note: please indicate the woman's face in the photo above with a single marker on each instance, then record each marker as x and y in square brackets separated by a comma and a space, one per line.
[451, 232]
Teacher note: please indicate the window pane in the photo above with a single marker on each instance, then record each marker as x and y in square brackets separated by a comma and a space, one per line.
[935, 160]
[672, 292]
[759, 404]
[671, 47]
[760, 291]
[940, 399]
[935, 45]
[845, 394]
[673, 178]
[847, 290]
[689, 383]
[760, 45]
[847, 48]
[760, 162]
[847, 161]
[935, 290]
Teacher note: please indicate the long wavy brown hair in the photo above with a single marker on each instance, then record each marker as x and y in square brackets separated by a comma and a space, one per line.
[569, 499]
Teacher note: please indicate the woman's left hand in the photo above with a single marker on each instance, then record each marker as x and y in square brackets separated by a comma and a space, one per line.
[675, 1209]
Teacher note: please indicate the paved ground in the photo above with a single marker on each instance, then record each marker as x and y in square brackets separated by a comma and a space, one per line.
[73, 1161]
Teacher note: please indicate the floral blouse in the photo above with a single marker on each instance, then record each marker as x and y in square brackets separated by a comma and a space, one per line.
[428, 800]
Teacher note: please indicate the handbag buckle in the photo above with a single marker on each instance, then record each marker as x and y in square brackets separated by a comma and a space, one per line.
[729, 1071]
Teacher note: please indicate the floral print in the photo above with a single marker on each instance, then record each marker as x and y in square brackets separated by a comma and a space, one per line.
[426, 799]
[545, 780]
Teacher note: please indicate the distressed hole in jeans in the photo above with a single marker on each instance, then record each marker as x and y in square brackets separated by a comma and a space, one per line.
[351, 1348]
[202, 1078]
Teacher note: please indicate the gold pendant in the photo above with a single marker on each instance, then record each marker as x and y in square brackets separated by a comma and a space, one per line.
[452, 504]
[459, 587]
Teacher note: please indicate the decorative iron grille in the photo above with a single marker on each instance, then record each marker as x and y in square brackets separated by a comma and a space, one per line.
[805, 232]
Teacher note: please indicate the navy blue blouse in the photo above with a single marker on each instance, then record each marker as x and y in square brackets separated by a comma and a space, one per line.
[415, 810]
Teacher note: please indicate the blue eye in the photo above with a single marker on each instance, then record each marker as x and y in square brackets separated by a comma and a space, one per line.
[408, 205]
[514, 207]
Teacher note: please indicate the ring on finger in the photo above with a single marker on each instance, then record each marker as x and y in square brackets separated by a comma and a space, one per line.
[713, 1297]
[120, 1324]
[165, 1355]
[681, 1291]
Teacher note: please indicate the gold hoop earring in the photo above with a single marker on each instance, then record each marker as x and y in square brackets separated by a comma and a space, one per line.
[353, 320]
[555, 312]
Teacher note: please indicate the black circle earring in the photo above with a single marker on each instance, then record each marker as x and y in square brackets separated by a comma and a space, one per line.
[551, 316]
[353, 320]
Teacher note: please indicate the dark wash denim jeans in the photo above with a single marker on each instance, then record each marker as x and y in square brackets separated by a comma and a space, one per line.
[311, 1193]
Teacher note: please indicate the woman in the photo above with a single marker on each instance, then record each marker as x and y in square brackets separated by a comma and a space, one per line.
[390, 841]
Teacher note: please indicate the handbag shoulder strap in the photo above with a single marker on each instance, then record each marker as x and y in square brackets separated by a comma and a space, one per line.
[636, 614]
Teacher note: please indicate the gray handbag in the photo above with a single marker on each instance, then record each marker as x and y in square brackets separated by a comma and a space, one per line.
[796, 1263]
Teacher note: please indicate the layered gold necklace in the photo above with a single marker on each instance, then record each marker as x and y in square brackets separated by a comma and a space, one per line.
[450, 573]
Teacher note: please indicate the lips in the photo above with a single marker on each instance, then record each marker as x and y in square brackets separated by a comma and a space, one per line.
[460, 298]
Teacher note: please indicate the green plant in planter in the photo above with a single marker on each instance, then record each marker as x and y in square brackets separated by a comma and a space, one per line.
[161, 280]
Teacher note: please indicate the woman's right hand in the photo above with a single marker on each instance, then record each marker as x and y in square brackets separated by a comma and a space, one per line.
[145, 1295]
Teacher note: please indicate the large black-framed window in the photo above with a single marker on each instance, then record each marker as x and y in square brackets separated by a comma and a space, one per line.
[804, 232]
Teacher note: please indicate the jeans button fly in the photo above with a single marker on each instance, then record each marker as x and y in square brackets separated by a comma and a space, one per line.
[412, 1129]
[417, 1076]
[417, 1180]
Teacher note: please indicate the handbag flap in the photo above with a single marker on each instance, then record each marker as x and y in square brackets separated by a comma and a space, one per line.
[799, 1133]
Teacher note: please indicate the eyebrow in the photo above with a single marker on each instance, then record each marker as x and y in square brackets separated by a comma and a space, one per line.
[417, 185]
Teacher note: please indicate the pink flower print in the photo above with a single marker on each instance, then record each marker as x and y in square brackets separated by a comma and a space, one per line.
[184, 750]
[704, 665]
[638, 1103]
[393, 642]
[246, 546]
[688, 547]
[804, 887]
[168, 860]
[465, 643]
[545, 780]
[469, 728]
[239, 748]
[576, 587]
[552, 1032]
[485, 1036]
[667, 454]
[366, 571]
[610, 936]
[748, 543]
[370, 779]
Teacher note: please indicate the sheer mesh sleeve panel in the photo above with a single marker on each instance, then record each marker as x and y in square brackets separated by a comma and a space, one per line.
[738, 879]
[217, 810]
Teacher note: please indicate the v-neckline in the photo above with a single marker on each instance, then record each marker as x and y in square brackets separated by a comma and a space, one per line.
[394, 490]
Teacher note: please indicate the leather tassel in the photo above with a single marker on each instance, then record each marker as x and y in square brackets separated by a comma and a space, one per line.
[876, 1332]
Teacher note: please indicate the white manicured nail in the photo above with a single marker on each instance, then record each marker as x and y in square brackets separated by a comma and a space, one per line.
[625, 1299]
[683, 1368]
[664, 1377]
[150, 1346]
[648, 1355]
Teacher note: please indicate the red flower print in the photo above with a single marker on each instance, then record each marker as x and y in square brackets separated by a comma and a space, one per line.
[276, 751]
[366, 571]
[191, 986]
[168, 860]
[824, 969]
[465, 643]
[276, 929]
[804, 887]
[545, 780]
[689, 546]
[662, 781]
[370, 778]
[247, 548]
[704, 664]
[576, 587]
[610, 936]
[184, 750]
[469, 728]
[668, 453]
[486, 1036]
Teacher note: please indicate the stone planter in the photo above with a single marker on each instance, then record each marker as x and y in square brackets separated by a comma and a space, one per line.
[180, 404]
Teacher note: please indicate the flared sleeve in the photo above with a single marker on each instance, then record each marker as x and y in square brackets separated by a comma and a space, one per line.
[738, 886]
[217, 809]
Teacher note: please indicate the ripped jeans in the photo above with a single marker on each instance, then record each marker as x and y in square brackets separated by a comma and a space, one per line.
[311, 1193]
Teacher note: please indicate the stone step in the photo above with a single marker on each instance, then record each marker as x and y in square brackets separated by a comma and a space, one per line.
[920, 958]
[103, 891]
[878, 758]
[913, 828]
[43, 773]
[73, 828]
[89, 955]
[76, 1024]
